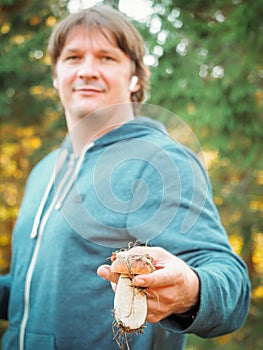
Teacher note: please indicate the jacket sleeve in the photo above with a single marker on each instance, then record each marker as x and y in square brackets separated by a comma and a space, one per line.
[189, 226]
[4, 295]
[224, 299]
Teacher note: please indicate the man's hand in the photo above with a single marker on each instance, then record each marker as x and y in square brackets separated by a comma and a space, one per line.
[172, 289]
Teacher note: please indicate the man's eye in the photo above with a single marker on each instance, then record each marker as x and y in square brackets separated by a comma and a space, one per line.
[108, 58]
[72, 58]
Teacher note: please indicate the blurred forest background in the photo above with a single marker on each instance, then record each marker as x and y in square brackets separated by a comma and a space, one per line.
[206, 59]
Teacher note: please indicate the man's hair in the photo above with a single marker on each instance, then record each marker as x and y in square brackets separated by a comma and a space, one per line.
[113, 25]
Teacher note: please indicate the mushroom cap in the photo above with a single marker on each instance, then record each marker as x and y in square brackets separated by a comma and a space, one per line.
[133, 264]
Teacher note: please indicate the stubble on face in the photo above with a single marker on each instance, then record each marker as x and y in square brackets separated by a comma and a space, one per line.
[85, 89]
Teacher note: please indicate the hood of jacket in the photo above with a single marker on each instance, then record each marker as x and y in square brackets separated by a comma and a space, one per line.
[129, 141]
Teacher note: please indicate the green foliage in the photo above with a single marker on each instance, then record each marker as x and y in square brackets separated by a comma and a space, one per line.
[25, 28]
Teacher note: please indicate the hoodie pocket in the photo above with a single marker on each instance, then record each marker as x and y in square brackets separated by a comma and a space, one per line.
[33, 341]
[39, 341]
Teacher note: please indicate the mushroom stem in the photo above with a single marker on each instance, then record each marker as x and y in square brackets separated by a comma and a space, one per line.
[130, 305]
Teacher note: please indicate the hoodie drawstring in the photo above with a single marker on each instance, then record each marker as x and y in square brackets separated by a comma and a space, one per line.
[62, 189]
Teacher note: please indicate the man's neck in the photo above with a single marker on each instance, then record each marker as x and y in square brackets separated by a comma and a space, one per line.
[90, 128]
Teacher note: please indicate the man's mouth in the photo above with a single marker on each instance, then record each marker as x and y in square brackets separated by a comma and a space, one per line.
[88, 89]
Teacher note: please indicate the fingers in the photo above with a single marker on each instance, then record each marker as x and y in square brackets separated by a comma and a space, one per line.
[157, 279]
[104, 272]
[158, 308]
[165, 263]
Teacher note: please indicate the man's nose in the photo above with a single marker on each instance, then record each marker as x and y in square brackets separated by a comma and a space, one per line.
[88, 68]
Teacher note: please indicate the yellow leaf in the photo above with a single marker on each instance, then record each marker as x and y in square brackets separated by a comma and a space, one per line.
[5, 28]
[18, 39]
[4, 239]
[258, 292]
[236, 243]
[51, 21]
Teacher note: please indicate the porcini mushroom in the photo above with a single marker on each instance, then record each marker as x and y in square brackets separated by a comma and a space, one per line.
[130, 303]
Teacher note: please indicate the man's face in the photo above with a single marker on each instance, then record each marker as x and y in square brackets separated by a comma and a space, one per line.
[91, 73]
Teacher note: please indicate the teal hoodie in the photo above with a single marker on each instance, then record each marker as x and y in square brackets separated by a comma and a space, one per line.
[132, 184]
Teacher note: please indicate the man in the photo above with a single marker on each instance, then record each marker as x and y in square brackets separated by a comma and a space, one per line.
[116, 179]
